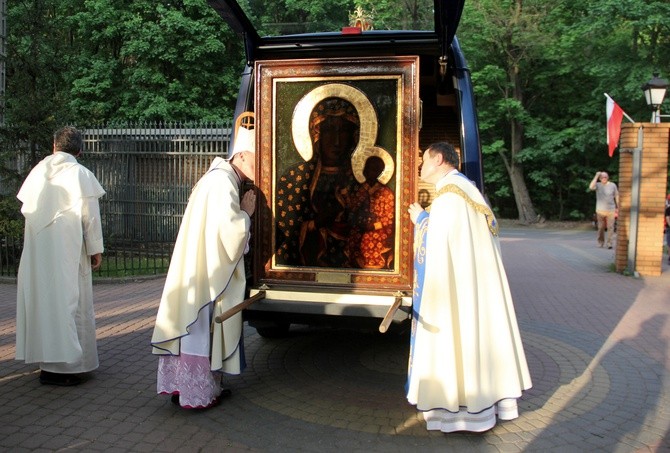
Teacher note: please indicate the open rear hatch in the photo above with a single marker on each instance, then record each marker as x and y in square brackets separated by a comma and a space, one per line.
[309, 266]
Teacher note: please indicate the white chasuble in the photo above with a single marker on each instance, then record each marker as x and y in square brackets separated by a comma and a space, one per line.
[55, 320]
[466, 354]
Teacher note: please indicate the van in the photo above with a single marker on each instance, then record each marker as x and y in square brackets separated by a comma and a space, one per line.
[341, 118]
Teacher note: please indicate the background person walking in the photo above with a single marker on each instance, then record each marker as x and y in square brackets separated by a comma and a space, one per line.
[607, 206]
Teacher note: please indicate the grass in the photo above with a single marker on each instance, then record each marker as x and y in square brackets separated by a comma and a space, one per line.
[125, 266]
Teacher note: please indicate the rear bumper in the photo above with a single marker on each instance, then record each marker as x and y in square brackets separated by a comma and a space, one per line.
[285, 304]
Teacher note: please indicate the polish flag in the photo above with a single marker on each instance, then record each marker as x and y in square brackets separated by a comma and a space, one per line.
[614, 117]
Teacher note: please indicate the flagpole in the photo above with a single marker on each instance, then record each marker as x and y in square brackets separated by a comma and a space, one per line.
[624, 113]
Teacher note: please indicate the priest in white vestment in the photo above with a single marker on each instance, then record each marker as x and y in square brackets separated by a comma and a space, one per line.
[55, 321]
[205, 278]
[467, 366]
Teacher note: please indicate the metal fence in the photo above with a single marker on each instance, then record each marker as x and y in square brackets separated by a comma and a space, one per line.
[148, 172]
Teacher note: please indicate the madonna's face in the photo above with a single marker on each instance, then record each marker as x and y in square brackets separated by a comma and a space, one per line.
[337, 140]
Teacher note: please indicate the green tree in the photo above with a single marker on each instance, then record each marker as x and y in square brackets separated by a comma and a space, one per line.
[94, 61]
[38, 55]
[540, 70]
[158, 61]
[600, 47]
[507, 42]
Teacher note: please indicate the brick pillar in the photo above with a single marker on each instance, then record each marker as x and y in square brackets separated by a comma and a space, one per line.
[653, 182]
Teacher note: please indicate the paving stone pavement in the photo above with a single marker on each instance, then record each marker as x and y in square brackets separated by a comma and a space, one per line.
[597, 343]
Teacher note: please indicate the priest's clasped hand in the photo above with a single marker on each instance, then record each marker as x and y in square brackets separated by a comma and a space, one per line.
[248, 203]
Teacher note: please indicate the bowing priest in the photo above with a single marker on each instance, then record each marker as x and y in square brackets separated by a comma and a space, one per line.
[467, 365]
[205, 278]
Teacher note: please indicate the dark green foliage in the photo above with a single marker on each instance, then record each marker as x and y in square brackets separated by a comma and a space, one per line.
[11, 220]
[545, 65]
[96, 61]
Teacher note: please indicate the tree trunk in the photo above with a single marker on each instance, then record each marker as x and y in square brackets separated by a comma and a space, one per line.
[524, 204]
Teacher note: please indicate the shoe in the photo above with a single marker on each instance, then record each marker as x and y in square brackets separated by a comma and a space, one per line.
[63, 380]
[225, 393]
[609, 247]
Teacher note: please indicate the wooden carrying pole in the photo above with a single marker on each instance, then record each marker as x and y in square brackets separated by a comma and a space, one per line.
[239, 307]
[386, 322]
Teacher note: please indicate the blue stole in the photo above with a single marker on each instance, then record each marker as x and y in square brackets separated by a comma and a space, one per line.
[420, 230]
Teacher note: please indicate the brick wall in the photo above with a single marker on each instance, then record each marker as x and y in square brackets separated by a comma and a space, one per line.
[653, 186]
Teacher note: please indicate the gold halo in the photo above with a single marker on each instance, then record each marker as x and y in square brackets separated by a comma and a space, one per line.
[304, 107]
[358, 163]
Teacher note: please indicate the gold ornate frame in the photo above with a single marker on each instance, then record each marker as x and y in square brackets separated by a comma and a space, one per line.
[385, 94]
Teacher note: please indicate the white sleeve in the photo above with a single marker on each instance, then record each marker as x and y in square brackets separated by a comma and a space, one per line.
[91, 226]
